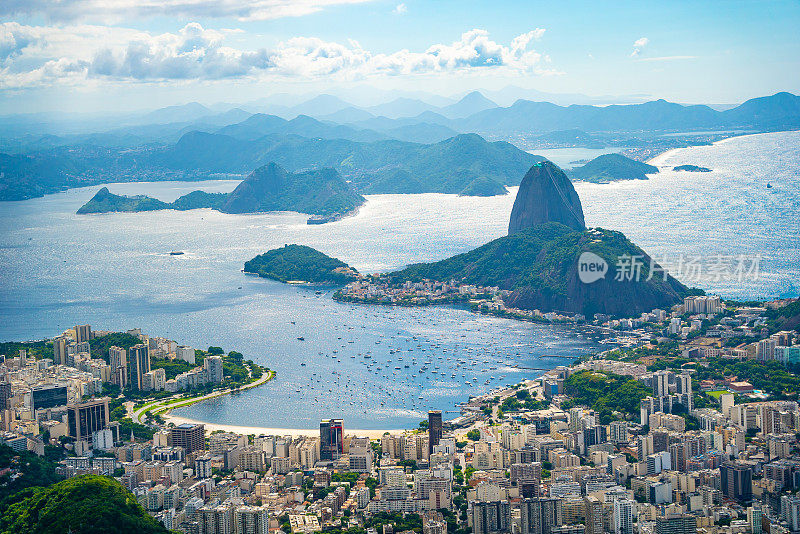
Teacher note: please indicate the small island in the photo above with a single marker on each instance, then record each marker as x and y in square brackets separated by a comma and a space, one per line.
[690, 168]
[300, 264]
[322, 193]
[611, 168]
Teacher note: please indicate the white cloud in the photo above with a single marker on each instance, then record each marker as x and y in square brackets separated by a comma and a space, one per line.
[121, 10]
[401, 9]
[37, 55]
[638, 45]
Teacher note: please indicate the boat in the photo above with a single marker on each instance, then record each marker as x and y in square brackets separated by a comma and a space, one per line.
[301, 339]
[769, 185]
[181, 253]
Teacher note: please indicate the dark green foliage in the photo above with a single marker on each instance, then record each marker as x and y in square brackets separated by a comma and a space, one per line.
[271, 188]
[474, 435]
[140, 432]
[100, 345]
[172, 368]
[523, 400]
[606, 392]
[87, 504]
[784, 318]
[27, 470]
[36, 349]
[106, 202]
[611, 167]
[400, 521]
[199, 199]
[298, 263]
[540, 265]
[690, 168]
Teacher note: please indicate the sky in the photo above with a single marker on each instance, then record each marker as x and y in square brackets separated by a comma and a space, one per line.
[82, 55]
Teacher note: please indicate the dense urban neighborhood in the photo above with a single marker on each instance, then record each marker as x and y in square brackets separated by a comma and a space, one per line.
[690, 425]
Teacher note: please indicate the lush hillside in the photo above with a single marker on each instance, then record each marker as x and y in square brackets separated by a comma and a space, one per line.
[301, 264]
[105, 201]
[540, 266]
[272, 188]
[444, 167]
[87, 504]
[610, 168]
[483, 187]
[23, 176]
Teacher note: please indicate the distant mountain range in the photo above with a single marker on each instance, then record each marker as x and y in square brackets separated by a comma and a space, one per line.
[423, 153]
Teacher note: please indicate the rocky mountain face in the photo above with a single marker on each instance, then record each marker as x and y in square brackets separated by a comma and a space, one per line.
[546, 195]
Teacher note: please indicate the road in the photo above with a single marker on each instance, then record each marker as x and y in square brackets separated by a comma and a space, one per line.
[178, 399]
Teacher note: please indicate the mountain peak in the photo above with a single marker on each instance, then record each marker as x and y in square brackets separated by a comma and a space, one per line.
[546, 195]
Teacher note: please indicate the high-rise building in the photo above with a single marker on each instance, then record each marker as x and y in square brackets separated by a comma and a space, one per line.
[48, 396]
[661, 383]
[60, 350]
[676, 524]
[539, 516]
[736, 481]
[6, 392]
[434, 429]
[594, 515]
[83, 333]
[754, 516]
[490, 517]
[618, 432]
[190, 437]
[683, 383]
[623, 516]
[252, 520]
[86, 418]
[213, 366]
[138, 364]
[331, 436]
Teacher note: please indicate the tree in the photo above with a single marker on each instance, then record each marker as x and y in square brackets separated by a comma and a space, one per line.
[474, 434]
[88, 504]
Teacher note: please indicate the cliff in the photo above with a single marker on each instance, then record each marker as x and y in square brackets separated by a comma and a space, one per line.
[546, 195]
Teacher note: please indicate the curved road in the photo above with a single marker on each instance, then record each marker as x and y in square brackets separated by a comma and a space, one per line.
[178, 399]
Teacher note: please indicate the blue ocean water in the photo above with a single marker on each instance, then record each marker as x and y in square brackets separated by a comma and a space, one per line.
[58, 269]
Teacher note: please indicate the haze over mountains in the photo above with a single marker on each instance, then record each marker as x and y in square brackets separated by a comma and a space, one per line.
[405, 145]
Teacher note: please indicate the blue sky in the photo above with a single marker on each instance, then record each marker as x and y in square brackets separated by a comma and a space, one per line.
[84, 54]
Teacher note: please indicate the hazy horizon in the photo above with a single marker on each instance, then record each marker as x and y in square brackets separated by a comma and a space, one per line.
[122, 57]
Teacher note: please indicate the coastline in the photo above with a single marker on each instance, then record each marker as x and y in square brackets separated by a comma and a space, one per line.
[211, 427]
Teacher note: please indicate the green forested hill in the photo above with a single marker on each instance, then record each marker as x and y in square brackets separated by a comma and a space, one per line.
[88, 504]
[540, 266]
[299, 263]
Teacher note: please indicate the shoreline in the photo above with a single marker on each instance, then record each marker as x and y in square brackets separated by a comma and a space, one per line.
[257, 430]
